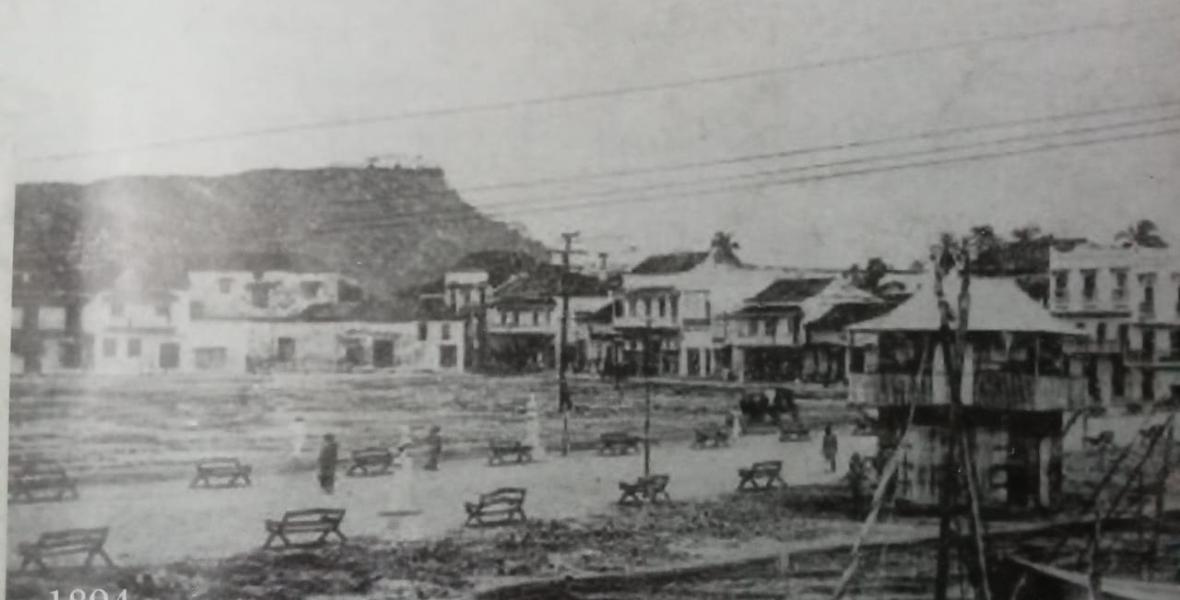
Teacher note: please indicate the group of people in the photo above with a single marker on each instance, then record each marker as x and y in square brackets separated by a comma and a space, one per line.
[329, 457]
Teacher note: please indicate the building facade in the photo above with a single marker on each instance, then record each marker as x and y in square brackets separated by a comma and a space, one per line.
[1127, 300]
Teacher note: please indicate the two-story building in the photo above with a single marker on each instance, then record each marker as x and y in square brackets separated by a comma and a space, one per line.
[1015, 389]
[794, 328]
[524, 320]
[46, 326]
[1128, 302]
[139, 325]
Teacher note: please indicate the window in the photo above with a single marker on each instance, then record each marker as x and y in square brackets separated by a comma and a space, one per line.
[225, 284]
[446, 331]
[467, 297]
[448, 356]
[1147, 387]
[516, 317]
[1100, 333]
[647, 307]
[109, 347]
[51, 318]
[503, 317]
[708, 310]
[260, 296]
[1089, 283]
[771, 327]
[1060, 283]
[674, 306]
[196, 309]
[752, 327]
[164, 310]
[618, 308]
[70, 354]
[134, 347]
[1148, 343]
[536, 317]
[286, 349]
[116, 307]
[1124, 335]
[1174, 342]
[424, 329]
[1119, 292]
[348, 292]
[633, 307]
[1147, 281]
[663, 307]
[310, 289]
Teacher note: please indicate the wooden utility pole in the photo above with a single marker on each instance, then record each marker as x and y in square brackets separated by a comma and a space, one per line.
[563, 392]
[957, 462]
[646, 400]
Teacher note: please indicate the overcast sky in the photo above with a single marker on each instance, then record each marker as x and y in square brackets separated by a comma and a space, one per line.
[87, 75]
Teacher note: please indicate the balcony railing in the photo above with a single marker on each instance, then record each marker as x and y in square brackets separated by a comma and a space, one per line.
[1095, 347]
[991, 389]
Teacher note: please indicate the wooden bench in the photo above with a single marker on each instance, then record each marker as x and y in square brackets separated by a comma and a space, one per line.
[710, 435]
[764, 475]
[40, 480]
[618, 443]
[230, 469]
[372, 461]
[650, 489]
[499, 450]
[794, 432]
[319, 522]
[497, 507]
[63, 543]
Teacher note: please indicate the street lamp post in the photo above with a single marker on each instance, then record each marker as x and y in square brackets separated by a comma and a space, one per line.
[647, 401]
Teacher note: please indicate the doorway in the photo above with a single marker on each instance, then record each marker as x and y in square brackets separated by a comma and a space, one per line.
[169, 355]
[382, 353]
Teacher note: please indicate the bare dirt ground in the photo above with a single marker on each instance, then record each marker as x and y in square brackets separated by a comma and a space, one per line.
[135, 428]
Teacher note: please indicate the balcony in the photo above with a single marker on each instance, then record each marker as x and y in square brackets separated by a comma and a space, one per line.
[992, 389]
[1094, 347]
[1153, 358]
[639, 321]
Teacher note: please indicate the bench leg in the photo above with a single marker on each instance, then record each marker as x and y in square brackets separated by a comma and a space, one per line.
[196, 480]
[520, 513]
[246, 479]
[340, 534]
[269, 539]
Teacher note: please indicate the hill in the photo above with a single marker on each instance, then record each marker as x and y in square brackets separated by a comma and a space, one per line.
[391, 228]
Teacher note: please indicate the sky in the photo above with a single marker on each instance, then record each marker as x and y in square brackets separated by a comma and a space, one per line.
[87, 85]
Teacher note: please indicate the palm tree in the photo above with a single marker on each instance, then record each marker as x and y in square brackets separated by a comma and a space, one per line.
[1143, 233]
[724, 246]
[1026, 233]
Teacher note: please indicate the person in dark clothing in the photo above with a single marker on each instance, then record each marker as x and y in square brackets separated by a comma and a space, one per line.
[329, 454]
[434, 443]
[857, 480]
[830, 448]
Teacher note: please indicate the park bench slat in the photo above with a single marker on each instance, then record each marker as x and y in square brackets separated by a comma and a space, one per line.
[90, 542]
[710, 435]
[321, 521]
[500, 449]
[497, 507]
[370, 461]
[650, 488]
[761, 476]
[233, 471]
[28, 479]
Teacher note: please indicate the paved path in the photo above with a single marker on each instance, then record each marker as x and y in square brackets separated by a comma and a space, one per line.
[153, 523]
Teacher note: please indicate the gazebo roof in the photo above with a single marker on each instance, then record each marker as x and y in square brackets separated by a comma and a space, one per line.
[997, 304]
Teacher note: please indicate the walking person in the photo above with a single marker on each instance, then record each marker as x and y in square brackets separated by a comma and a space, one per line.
[831, 448]
[329, 454]
[434, 445]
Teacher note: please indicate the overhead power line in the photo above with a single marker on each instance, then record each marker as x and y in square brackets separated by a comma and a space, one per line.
[526, 205]
[615, 92]
[684, 166]
[810, 178]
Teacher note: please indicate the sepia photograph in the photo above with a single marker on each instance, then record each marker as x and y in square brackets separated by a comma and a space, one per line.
[599, 300]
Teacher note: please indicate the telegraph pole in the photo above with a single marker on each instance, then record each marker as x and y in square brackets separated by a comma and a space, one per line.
[646, 400]
[563, 392]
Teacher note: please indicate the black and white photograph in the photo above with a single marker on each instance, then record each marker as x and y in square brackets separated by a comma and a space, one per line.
[598, 300]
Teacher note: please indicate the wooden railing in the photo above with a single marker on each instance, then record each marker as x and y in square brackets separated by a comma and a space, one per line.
[992, 389]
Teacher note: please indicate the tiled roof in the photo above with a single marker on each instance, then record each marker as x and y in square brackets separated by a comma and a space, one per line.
[674, 262]
[545, 282]
[788, 291]
[842, 315]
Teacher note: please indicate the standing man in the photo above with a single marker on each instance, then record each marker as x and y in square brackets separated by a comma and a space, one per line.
[434, 442]
[329, 454]
[830, 448]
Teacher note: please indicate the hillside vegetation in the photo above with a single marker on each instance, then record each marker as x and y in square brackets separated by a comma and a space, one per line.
[389, 227]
